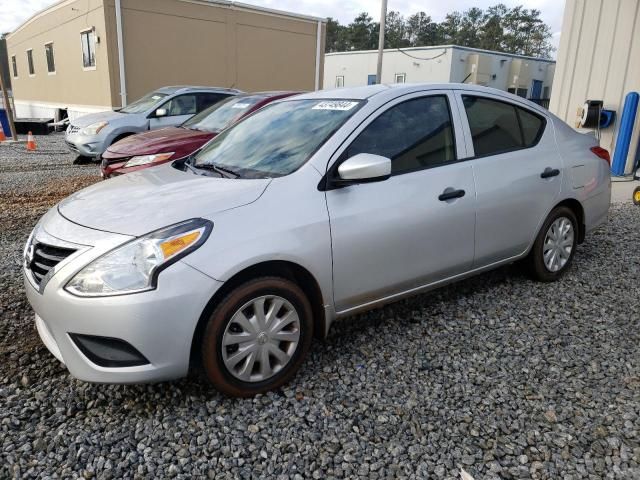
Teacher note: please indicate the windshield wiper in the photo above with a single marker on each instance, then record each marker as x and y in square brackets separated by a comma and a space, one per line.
[222, 171]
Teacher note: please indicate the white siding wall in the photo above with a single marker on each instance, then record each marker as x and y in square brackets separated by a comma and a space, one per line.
[598, 59]
[436, 64]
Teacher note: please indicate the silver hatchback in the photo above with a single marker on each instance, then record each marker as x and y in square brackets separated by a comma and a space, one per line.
[90, 135]
[313, 208]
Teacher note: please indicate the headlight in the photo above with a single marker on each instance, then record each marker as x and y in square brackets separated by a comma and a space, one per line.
[134, 266]
[144, 159]
[94, 128]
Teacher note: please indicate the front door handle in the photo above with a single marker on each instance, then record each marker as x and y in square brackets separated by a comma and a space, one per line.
[550, 172]
[450, 194]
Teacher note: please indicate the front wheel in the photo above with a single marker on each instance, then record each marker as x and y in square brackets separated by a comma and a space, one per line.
[257, 337]
[555, 246]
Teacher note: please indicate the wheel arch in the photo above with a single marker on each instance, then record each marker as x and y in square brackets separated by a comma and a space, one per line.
[278, 268]
[576, 207]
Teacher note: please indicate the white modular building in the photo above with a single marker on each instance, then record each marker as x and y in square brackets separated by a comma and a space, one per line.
[525, 76]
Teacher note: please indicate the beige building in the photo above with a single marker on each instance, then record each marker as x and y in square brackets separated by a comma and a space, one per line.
[599, 59]
[81, 56]
[525, 76]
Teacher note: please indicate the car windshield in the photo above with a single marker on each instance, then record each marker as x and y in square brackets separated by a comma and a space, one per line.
[278, 138]
[221, 115]
[143, 104]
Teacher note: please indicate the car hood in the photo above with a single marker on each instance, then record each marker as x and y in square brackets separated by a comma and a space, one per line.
[160, 141]
[140, 202]
[86, 120]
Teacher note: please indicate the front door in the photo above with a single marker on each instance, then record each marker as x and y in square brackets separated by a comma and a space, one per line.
[395, 235]
[178, 110]
[517, 171]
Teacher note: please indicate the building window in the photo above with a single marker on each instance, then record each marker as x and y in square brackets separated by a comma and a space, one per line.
[522, 92]
[371, 79]
[14, 65]
[401, 78]
[30, 62]
[339, 81]
[88, 40]
[545, 92]
[51, 64]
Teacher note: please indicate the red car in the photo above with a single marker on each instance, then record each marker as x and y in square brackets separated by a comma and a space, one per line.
[155, 147]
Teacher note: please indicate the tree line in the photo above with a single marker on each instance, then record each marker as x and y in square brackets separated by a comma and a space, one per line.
[514, 30]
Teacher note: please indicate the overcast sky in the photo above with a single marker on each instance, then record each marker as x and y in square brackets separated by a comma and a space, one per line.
[16, 11]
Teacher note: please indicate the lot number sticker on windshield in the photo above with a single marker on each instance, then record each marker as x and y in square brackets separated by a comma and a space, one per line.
[335, 105]
[241, 105]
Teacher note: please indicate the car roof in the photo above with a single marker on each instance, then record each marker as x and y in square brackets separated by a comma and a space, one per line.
[390, 91]
[172, 89]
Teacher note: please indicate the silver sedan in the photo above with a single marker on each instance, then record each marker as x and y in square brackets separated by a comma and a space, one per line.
[314, 208]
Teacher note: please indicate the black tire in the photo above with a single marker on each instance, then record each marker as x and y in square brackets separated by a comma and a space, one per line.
[212, 354]
[636, 196]
[535, 261]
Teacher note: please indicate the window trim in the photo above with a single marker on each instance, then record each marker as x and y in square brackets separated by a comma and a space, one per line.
[337, 78]
[30, 63]
[403, 75]
[14, 66]
[325, 183]
[467, 93]
[95, 59]
[53, 58]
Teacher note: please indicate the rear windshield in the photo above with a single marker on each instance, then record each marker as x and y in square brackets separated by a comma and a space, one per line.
[221, 115]
[277, 139]
[143, 104]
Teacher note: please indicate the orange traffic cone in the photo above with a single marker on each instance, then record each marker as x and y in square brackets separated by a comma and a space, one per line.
[3, 137]
[31, 143]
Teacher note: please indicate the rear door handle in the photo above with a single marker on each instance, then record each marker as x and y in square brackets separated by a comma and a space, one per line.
[550, 172]
[450, 194]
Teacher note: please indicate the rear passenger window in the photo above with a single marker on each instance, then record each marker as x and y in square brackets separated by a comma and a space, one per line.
[531, 127]
[498, 127]
[415, 134]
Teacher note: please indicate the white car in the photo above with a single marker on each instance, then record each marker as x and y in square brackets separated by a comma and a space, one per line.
[311, 209]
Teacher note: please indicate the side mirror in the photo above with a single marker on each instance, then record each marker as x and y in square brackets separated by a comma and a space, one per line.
[161, 112]
[364, 167]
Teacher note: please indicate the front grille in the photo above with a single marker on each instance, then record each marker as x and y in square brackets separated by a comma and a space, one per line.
[72, 129]
[45, 257]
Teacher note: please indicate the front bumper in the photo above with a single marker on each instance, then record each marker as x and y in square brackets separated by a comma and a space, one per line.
[87, 146]
[159, 323]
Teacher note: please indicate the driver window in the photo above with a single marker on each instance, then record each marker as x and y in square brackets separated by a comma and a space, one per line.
[181, 105]
[415, 134]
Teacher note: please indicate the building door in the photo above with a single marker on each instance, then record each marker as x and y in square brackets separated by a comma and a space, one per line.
[536, 89]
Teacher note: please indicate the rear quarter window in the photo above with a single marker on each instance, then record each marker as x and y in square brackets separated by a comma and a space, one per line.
[498, 127]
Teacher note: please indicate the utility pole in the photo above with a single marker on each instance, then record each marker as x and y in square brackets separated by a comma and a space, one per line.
[7, 106]
[383, 20]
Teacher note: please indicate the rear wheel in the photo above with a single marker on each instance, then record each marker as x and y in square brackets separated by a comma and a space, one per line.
[555, 246]
[257, 337]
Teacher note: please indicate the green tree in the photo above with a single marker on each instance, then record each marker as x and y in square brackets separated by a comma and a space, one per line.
[363, 33]
[422, 30]
[395, 31]
[337, 36]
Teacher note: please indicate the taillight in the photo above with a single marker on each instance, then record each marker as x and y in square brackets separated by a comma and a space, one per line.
[603, 153]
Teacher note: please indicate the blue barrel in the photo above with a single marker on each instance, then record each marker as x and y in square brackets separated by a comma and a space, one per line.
[4, 120]
[624, 133]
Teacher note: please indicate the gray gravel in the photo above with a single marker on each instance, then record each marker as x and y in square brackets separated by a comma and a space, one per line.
[500, 375]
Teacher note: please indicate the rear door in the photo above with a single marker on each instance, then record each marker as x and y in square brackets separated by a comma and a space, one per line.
[517, 170]
[398, 234]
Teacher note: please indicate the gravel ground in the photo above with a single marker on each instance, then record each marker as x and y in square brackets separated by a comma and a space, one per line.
[502, 376]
